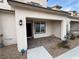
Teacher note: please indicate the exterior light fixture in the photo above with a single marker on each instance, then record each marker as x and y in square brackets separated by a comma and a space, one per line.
[20, 22]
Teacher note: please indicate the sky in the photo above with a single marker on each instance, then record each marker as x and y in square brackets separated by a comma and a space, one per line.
[67, 5]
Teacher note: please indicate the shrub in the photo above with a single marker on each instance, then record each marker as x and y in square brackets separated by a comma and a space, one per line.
[66, 46]
[72, 37]
[63, 44]
[78, 36]
[23, 51]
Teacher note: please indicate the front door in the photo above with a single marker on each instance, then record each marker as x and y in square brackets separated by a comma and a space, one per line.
[29, 29]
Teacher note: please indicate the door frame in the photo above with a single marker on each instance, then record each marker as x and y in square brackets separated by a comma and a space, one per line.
[31, 29]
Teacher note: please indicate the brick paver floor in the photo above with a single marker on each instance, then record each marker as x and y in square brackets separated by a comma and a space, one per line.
[50, 43]
[11, 52]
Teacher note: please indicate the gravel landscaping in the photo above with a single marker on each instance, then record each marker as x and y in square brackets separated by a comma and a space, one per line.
[10, 52]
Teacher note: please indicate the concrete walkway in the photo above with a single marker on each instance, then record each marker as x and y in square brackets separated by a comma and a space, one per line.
[41, 53]
[72, 54]
[51, 45]
[38, 53]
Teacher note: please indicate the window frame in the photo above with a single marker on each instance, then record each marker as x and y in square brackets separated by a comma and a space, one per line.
[40, 22]
[76, 27]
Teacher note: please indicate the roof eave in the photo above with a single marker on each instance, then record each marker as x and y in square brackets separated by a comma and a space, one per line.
[19, 4]
[7, 11]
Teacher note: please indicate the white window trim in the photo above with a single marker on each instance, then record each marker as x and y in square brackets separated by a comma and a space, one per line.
[40, 22]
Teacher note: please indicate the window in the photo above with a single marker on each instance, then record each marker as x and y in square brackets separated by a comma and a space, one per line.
[40, 27]
[75, 26]
[1, 0]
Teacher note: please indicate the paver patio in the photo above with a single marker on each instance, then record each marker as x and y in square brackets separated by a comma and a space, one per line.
[50, 43]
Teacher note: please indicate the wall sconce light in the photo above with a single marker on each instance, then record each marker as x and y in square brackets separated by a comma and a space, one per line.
[20, 22]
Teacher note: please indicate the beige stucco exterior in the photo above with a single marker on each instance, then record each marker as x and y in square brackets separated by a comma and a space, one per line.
[22, 13]
[5, 5]
[57, 23]
[0, 27]
[8, 28]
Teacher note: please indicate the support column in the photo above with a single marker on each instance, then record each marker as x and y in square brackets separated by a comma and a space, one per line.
[68, 25]
[0, 32]
[63, 30]
[21, 32]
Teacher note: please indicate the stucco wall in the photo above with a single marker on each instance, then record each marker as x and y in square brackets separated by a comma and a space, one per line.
[52, 28]
[0, 26]
[57, 28]
[22, 14]
[0, 31]
[8, 28]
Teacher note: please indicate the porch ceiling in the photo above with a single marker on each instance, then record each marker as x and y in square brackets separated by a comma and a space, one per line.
[29, 18]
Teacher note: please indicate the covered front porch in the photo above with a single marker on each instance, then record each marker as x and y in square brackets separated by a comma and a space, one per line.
[42, 32]
[38, 28]
[54, 23]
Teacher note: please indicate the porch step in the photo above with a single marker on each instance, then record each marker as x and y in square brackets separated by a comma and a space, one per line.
[38, 53]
